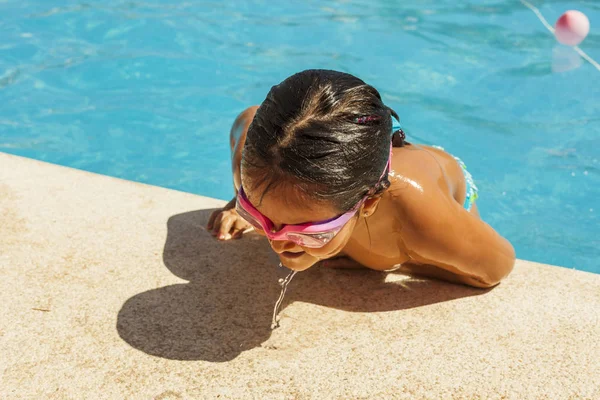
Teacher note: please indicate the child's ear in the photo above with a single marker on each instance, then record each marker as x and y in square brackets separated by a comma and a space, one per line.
[369, 206]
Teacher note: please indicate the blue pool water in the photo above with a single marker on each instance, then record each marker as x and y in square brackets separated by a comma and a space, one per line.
[147, 91]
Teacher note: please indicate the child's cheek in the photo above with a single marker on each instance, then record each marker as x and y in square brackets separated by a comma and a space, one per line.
[335, 246]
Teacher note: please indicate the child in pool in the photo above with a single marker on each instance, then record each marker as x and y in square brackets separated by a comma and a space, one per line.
[319, 177]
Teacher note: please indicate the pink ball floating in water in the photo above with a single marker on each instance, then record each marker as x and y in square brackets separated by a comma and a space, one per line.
[572, 27]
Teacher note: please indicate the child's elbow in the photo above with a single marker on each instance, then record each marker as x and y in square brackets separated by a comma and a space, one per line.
[502, 268]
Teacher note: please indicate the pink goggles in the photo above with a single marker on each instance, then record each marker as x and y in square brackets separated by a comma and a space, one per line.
[311, 234]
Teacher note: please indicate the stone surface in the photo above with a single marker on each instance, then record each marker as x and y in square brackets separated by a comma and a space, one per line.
[114, 289]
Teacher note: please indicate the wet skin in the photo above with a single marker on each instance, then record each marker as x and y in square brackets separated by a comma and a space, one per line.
[417, 226]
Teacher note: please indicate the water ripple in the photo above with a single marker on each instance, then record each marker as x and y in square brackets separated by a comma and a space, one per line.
[148, 90]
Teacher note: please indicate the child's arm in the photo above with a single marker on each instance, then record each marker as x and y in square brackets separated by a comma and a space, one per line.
[237, 139]
[226, 224]
[441, 233]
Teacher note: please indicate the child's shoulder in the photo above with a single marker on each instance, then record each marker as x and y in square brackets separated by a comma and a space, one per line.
[424, 161]
[427, 170]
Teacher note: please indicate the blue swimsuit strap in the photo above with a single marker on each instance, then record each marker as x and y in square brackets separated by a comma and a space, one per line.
[395, 125]
[472, 190]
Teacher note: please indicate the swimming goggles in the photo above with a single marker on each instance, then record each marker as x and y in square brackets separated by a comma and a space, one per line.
[311, 234]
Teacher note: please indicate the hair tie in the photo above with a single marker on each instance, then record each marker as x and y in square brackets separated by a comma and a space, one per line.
[367, 118]
[401, 133]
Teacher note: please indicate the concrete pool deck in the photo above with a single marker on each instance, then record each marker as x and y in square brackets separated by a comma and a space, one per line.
[113, 289]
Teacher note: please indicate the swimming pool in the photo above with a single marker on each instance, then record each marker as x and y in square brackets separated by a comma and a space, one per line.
[147, 91]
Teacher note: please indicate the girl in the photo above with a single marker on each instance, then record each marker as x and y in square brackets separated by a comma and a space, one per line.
[321, 170]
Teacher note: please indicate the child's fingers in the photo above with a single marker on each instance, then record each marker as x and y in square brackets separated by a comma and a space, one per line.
[217, 217]
[241, 228]
[226, 225]
[237, 233]
[217, 224]
[247, 229]
[212, 218]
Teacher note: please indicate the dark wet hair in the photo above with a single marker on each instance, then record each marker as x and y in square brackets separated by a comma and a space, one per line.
[325, 132]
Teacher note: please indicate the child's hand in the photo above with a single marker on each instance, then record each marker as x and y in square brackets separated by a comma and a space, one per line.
[226, 224]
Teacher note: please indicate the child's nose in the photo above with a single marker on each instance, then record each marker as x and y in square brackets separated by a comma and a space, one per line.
[283, 245]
